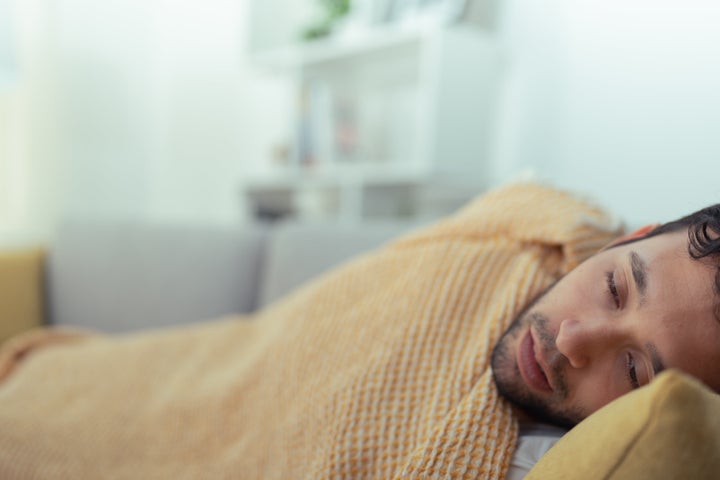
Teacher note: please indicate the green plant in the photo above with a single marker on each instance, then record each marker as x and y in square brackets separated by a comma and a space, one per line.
[334, 9]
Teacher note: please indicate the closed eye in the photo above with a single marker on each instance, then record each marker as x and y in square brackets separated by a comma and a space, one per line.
[631, 371]
[612, 288]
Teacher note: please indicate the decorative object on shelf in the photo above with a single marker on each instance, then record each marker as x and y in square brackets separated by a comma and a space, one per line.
[314, 126]
[391, 118]
[334, 11]
[305, 142]
[347, 18]
[345, 129]
[280, 155]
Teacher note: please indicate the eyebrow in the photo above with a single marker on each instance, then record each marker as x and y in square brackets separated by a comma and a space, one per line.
[639, 272]
[657, 362]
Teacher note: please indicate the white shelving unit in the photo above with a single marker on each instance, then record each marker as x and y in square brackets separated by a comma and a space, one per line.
[390, 122]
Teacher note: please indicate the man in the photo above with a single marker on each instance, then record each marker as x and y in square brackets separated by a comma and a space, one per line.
[647, 303]
[381, 368]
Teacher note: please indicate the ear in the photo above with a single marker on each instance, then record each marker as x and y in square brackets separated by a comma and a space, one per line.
[639, 233]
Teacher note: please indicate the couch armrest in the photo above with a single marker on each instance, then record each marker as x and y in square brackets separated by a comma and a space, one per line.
[21, 291]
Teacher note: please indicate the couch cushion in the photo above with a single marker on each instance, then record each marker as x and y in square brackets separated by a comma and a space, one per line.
[99, 276]
[300, 251]
[669, 429]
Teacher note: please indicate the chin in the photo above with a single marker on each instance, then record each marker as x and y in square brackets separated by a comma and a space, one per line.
[511, 386]
[544, 407]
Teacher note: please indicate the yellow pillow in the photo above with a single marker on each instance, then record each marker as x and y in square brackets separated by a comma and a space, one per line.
[21, 292]
[669, 429]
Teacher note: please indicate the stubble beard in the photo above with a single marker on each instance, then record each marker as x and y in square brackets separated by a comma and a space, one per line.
[508, 379]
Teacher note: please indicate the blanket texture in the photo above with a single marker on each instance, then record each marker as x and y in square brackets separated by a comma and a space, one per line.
[378, 369]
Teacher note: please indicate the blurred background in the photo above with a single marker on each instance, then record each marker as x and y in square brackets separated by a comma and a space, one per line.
[230, 111]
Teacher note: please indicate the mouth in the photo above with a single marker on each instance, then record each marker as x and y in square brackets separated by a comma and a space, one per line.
[530, 370]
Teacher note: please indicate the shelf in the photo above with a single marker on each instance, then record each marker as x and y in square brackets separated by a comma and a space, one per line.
[389, 121]
[340, 47]
[338, 177]
[352, 198]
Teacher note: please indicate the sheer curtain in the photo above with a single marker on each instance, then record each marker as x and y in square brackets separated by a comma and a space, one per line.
[145, 109]
[13, 171]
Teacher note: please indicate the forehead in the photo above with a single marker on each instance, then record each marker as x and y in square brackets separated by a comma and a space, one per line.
[672, 271]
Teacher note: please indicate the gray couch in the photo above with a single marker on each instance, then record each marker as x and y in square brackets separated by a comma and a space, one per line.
[116, 277]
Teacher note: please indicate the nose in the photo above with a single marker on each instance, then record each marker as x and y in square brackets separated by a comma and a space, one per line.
[581, 342]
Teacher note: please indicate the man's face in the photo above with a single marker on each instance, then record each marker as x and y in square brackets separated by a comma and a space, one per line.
[610, 326]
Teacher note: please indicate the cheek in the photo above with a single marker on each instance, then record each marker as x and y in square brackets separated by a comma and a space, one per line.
[591, 391]
[697, 356]
[575, 292]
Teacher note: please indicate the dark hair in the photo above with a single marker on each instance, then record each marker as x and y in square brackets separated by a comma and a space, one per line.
[703, 229]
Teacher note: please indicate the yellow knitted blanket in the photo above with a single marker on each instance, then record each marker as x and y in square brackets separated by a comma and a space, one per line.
[379, 369]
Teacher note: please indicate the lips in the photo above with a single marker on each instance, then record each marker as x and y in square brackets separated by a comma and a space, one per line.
[530, 370]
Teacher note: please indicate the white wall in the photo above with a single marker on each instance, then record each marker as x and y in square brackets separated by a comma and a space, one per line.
[153, 109]
[618, 99]
[134, 108]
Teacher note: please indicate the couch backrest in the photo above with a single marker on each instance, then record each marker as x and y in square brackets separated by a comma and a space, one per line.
[125, 276]
[297, 252]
